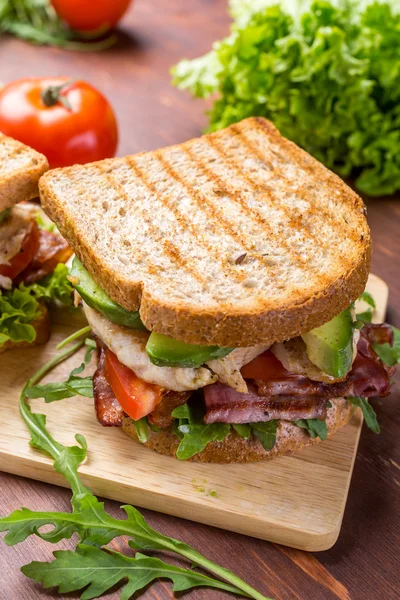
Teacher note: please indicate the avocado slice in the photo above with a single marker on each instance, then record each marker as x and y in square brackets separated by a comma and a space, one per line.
[164, 351]
[330, 346]
[96, 298]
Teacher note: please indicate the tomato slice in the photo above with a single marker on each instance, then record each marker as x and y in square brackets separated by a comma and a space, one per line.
[21, 260]
[137, 397]
[265, 367]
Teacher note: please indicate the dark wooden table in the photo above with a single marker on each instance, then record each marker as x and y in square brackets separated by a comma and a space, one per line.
[364, 563]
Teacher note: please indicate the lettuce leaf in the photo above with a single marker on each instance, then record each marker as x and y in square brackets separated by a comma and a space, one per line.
[326, 73]
[53, 288]
[18, 309]
[21, 306]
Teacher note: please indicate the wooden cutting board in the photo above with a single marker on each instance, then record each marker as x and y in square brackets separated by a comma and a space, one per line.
[296, 500]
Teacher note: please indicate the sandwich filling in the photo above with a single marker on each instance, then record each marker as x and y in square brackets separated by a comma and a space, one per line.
[32, 257]
[211, 392]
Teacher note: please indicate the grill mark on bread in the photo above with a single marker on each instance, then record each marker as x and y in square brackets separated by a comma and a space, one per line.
[249, 212]
[171, 250]
[294, 222]
[287, 301]
[303, 163]
[180, 217]
[204, 204]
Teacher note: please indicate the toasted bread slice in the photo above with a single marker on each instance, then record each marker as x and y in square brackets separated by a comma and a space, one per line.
[20, 170]
[234, 449]
[42, 328]
[236, 238]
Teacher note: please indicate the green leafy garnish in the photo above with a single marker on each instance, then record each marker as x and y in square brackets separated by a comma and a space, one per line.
[21, 306]
[194, 433]
[100, 570]
[366, 316]
[390, 355]
[37, 22]
[325, 73]
[91, 564]
[73, 386]
[18, 309]
[369, 414]
[265, 432]
[44, 223]
[315, 427]
[52, 288]
[142, 429]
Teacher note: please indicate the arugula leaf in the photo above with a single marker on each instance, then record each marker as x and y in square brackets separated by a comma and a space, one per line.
[390, 355]
[73, 386]
[88, 518]
[242, 429]
[322, 71]
[315, 427]
[18, 309]
[194, 433]
[141, 430]
[369, 414]
[101, 570]
[367, 297]
[266, 433]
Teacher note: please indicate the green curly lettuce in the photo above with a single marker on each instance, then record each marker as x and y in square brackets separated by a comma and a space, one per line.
[326, 73]
[20, 307]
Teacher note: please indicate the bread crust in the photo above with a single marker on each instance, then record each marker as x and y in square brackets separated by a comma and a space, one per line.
[42, 328]
[234, 449]
[20, 171]
[259, 320]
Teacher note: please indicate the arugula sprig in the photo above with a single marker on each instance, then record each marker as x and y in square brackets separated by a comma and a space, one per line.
[96, 528]
[370, 418]
[100, 571]
[37, 22]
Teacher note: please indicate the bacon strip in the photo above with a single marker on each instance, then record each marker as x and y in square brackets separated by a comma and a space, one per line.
[53, 249]
[290, 397]
[226, 405]
[108, 410]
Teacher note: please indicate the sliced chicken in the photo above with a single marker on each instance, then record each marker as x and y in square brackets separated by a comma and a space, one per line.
[130, 347]
[293, 356]
[228, 368]
[12, 233]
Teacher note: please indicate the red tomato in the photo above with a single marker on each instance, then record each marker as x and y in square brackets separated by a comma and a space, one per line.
[28, 249]
[68, 121]
[137, 397]
[86, 15]
[265, 367]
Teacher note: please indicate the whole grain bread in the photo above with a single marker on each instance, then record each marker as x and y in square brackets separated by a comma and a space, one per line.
[234, 449]
[42, 328]
[236, 238]
[20, 170]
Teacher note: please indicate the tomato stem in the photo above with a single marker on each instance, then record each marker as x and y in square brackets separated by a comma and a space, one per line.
[52, 94]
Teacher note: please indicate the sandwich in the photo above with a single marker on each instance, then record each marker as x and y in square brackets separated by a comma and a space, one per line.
[219, 278]
[30, 250]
